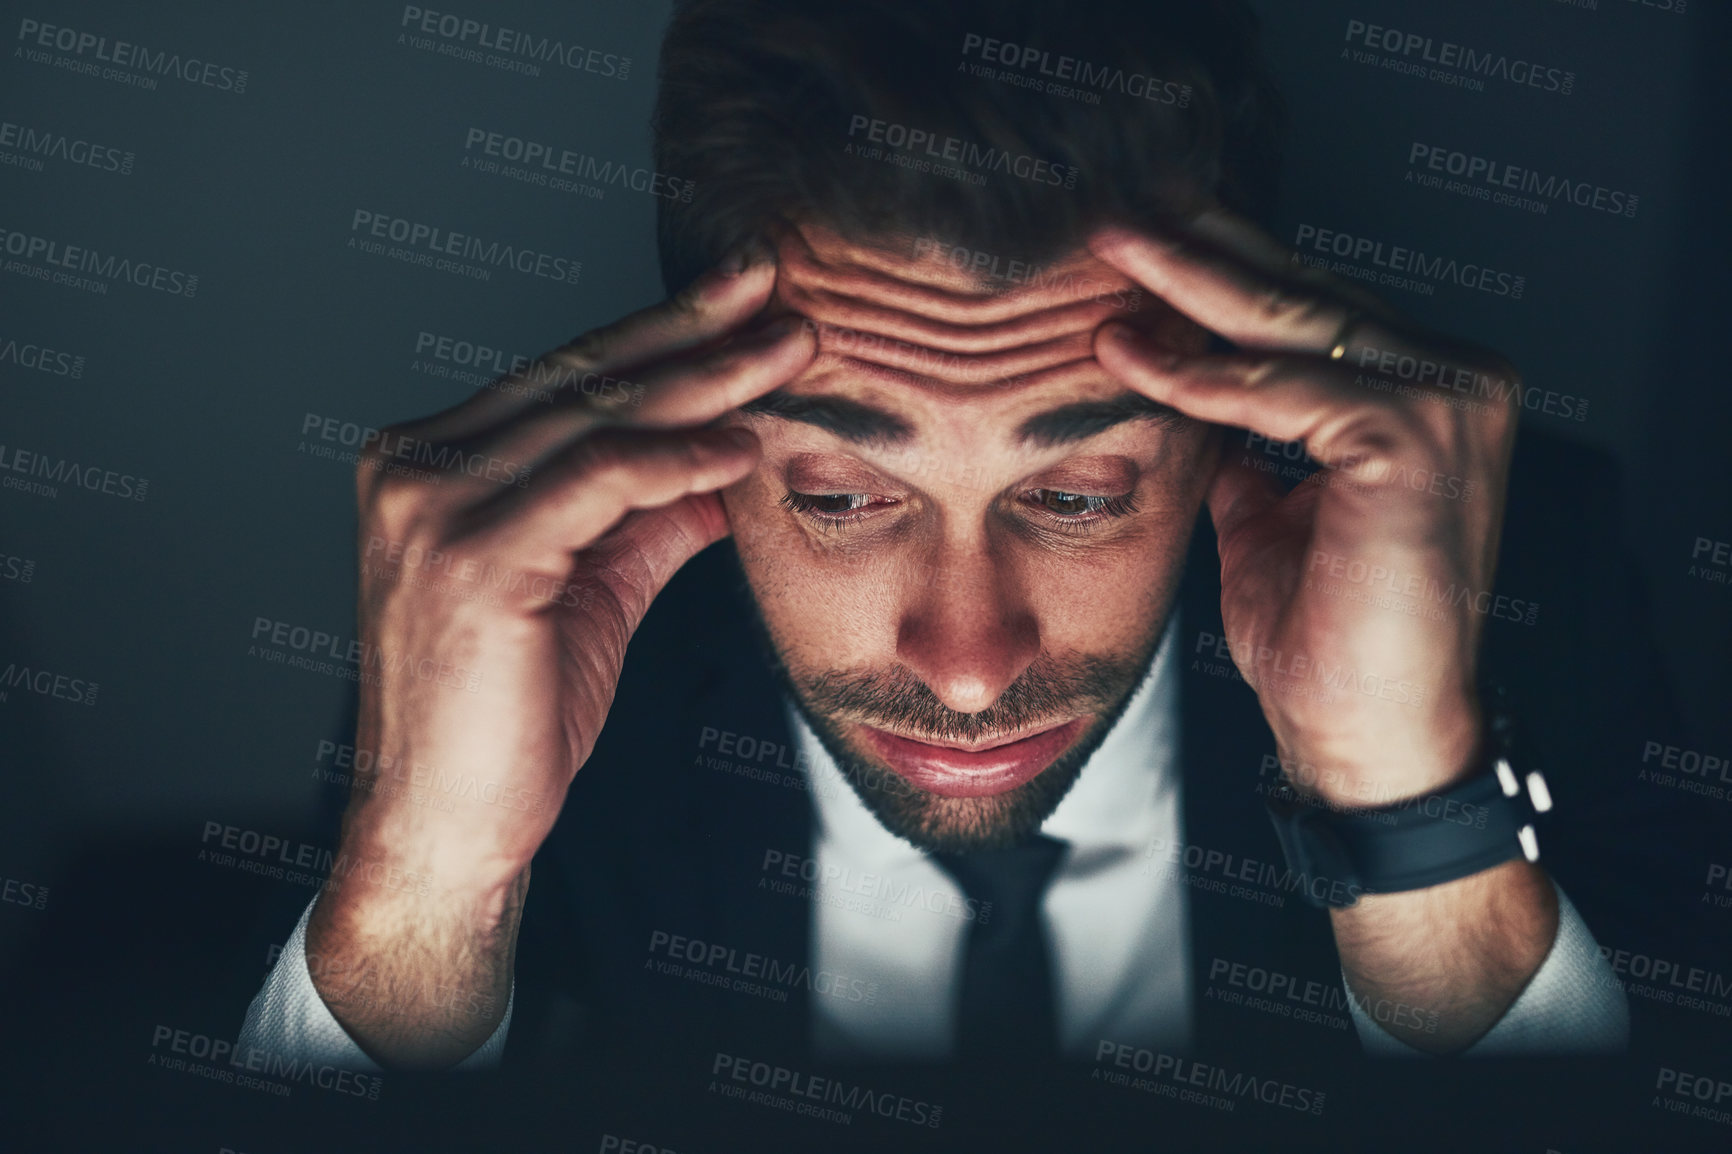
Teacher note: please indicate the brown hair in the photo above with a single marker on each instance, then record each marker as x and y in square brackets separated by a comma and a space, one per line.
[766, 106]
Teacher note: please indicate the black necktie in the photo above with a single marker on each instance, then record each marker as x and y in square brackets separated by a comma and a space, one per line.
[1005, 1004]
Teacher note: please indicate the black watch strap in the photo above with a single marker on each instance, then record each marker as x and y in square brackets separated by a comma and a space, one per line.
[1413, 844]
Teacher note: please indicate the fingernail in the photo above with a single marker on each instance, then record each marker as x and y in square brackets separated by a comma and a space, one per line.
[1117, 332]
[744, 256]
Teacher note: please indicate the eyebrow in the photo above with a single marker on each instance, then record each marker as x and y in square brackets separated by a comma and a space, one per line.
[865, 424]
[850, 420]
[1084, 419]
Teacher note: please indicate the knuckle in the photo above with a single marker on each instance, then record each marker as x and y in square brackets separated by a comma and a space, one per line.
[1291, 305]
[377, 482]
[370, 478]
[695, 456]
[554, 372]
[1261, 374]
[1371, 441]
[591, 455]
[600, 461]
[631, 576]
[587, 350]
[396, 506]
[688, 303]
[721, 363]
[1274, 304]
[611, 400]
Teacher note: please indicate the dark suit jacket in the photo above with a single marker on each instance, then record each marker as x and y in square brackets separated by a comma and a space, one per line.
[653, 838]
[140, 934]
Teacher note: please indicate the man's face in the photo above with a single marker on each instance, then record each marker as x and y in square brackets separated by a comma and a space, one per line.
[964, 536]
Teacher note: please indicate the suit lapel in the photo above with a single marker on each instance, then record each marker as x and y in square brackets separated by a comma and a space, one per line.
[754, 804]
[1232, 859]
[666, 829]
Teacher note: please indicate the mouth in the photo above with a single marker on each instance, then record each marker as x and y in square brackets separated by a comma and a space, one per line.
[955, 769]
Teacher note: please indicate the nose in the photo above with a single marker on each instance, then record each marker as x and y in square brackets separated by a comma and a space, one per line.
[966, 630]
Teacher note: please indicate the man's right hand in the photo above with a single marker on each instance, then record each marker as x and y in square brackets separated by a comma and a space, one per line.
[495, 609]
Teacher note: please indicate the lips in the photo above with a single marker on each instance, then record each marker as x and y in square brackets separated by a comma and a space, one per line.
[977, 772]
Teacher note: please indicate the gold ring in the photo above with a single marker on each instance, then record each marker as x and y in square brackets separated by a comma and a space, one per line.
[1338, 347]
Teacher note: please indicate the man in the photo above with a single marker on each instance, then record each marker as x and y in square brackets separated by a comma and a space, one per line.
[972, 359]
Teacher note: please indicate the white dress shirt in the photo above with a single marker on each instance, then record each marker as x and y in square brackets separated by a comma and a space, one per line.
[1119, 931]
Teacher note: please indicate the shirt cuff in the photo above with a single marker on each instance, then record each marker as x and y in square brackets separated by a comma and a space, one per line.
[289, 1019]
[1572, 1005]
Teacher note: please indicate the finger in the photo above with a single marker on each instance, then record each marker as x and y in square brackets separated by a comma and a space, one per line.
[722, 299]
[1223, 292]
[1373, 332]
[1238, 236]
[581, 495]
[1284, 398]
[719, 302]
[691, 392]
[1238, 493]
[639, 556]
[685, 392]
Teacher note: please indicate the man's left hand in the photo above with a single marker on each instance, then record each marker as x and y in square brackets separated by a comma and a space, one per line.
[1351, 603]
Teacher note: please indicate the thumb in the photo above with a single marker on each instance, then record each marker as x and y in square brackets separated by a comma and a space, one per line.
[640, 555]
[1239, 491]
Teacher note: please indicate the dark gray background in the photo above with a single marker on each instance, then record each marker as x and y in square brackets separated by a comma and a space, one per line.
[254, 192]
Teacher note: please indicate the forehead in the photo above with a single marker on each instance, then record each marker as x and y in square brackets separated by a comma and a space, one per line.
[916, 323]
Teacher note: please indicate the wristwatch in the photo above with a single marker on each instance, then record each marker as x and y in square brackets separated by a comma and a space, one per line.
[1415, 843]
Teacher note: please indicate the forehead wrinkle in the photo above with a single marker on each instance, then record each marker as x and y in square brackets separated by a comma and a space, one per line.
[983, 369]
[815, 250]
[896, 321]
[895, 270]
[929, 288]
[944, 330]
[811, 251]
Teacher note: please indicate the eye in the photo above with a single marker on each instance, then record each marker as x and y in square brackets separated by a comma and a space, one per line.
[832, 509]
[1079, 506]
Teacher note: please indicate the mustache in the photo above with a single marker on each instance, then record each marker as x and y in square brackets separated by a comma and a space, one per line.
[1051, 690]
